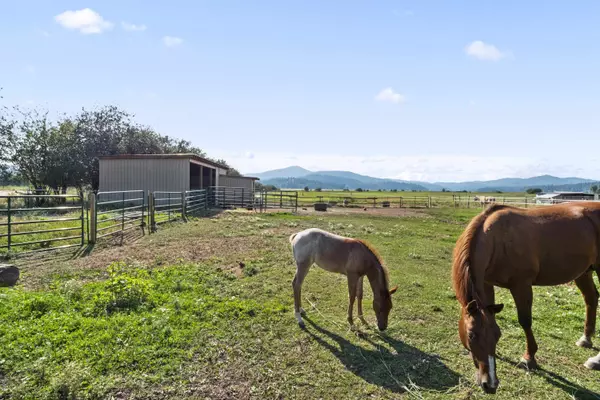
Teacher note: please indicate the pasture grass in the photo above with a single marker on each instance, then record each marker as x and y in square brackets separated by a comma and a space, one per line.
[175, 315]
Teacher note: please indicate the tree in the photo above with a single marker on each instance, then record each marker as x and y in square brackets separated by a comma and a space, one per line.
[260, 187]
[306, 189]
[359, 190]
[534, 191]
[66, 153]
[595, 189]
[318, 189]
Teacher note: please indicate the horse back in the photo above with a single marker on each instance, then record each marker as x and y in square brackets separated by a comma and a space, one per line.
[548, 246]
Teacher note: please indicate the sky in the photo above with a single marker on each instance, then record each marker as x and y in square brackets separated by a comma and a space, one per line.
[419, 90]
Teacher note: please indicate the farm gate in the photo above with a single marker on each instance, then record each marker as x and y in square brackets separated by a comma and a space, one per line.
[37, 223]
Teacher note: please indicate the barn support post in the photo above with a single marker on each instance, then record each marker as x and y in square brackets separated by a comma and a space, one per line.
[183, 208]
[92, 220]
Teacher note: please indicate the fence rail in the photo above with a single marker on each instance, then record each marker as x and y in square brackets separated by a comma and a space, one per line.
[196, 201]
[29, 229]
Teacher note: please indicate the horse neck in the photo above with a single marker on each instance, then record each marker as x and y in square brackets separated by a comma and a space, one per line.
[475, 284]
[376, 277]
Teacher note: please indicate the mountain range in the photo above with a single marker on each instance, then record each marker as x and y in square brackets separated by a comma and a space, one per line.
[297, 178]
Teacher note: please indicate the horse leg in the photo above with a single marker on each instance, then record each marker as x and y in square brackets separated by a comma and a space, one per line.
[352, 288]
[523, 296]
[301, 271]
[585, 283]
[359, 298]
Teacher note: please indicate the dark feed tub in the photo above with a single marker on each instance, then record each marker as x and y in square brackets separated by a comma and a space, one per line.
[320, 206]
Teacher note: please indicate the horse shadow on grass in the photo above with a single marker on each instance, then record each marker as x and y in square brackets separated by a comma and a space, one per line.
[572, 389]
[398, 370]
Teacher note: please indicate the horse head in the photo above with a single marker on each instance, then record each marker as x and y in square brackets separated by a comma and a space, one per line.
[480, 334]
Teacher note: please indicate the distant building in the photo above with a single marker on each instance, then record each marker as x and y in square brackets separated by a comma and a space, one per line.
[560, 197]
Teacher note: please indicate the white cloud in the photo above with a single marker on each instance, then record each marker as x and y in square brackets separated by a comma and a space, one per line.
[172, 41]
[86, 21]
[389, 95]
[132, 27]
[484, 51]
[429, 168]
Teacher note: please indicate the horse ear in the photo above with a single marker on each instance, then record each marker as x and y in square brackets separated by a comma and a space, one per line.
[496, 308]
[472, 307]
[393, 290]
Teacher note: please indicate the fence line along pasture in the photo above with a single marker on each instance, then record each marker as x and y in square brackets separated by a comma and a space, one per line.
[36, 222]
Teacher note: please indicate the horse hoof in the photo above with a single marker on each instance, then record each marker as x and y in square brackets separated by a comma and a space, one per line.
[593, 363]
[584, 342]
[527, 364]
[301, 325]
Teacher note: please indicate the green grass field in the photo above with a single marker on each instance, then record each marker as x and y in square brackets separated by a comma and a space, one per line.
[173, 315]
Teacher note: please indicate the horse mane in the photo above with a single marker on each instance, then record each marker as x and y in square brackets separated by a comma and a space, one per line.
[462, 276]
[379, 263]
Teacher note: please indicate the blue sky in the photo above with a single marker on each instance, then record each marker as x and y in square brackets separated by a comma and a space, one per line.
[432, 90]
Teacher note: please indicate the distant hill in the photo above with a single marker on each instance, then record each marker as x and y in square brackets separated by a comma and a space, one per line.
[513, 184]
[289, 172]
[297, 178]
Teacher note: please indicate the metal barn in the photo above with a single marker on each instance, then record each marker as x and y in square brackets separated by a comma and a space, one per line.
[165, 173]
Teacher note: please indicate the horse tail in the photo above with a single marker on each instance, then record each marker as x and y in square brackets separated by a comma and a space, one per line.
[293, 235]
[462, 279]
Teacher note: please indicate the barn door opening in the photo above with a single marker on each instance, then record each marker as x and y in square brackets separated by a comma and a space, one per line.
[195, 177]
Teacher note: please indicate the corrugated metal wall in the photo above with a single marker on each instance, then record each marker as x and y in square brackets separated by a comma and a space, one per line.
[236, 182]
[169, 175]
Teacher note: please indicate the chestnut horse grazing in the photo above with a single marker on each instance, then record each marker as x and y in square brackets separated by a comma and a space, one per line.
[351, 257]
[515, 249]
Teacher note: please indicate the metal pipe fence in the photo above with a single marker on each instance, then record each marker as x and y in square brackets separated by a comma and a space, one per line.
[231, 197]
[167, 207]
[57, 222]
[115, 213]
[281, 199]
[196, 202]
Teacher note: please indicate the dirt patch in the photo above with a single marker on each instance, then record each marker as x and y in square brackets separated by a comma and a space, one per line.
[171, 250]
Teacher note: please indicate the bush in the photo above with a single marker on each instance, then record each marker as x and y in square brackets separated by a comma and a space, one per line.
[306, 189]
[318, 189]
[122, 291]
[534, 191]
[359, 190]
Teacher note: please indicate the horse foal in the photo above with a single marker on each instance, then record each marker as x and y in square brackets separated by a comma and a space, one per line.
[351, 257]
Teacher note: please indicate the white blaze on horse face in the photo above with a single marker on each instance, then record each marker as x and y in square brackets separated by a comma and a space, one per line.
[492, 372]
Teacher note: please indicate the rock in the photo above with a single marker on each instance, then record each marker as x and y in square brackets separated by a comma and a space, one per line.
[9, 275]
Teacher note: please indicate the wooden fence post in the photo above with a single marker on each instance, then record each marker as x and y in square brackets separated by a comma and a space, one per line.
[93, 218]
[428, 201]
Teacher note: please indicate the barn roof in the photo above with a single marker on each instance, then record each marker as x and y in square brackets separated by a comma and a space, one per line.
[556, 194]
[189, 156]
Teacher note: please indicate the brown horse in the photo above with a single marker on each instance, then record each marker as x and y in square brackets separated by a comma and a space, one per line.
[350, 257]
[515, 249]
